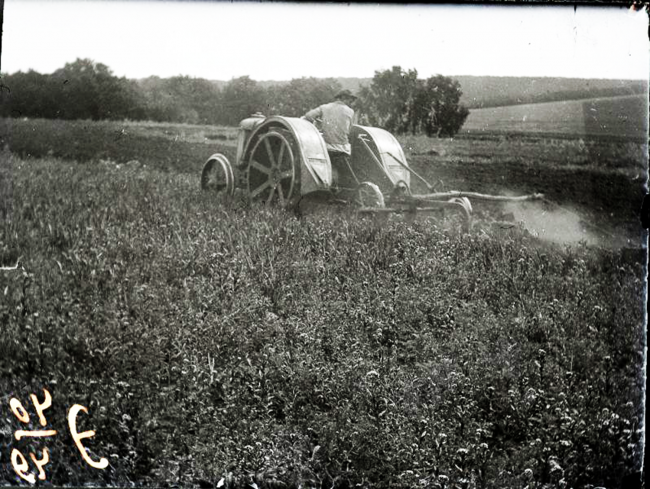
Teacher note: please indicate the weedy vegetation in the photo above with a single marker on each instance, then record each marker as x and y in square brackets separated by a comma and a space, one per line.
[220, 341]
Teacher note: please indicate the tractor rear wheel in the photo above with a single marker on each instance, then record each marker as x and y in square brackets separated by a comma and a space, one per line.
[273, 169]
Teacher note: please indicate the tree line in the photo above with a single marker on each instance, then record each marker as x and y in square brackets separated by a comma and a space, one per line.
[396, 100]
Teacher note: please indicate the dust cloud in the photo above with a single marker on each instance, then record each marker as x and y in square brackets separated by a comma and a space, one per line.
[551, 223]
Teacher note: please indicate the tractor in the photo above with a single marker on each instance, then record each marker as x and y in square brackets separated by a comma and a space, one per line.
[283, 161]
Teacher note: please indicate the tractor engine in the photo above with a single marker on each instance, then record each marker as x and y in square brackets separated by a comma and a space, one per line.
[246, 127]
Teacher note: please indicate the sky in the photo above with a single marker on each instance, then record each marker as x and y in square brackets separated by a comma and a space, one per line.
[281, 41]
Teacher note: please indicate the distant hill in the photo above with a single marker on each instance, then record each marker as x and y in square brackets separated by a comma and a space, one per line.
[492, 91]
[498, 91]
[352, 84]
[620, 117]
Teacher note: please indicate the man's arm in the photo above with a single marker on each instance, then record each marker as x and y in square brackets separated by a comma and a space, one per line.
[314, 114]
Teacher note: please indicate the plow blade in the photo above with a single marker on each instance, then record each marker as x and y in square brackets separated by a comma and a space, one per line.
[473, 195]
[410, 209]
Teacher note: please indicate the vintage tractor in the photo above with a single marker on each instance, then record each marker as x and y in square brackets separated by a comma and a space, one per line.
[284, 160]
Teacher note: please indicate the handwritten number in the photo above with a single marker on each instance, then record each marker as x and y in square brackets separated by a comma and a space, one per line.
[77, 437]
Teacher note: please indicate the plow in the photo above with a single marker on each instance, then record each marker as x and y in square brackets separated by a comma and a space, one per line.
[284, 161]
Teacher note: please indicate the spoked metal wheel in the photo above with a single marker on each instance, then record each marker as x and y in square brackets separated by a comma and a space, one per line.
[273, 173]
[459, 216]
[371, 200]
[217, 175]
[402, 189]
[369, 195]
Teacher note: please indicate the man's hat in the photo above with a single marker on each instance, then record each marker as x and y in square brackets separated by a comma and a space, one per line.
[345, 94]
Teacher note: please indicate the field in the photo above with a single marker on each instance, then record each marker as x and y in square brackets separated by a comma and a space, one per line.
[216, 340]
[624, 116]
[601, 183]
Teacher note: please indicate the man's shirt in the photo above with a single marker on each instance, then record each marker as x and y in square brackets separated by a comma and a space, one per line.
[336, 121]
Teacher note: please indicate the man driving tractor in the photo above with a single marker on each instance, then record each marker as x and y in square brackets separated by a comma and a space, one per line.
[336, 118]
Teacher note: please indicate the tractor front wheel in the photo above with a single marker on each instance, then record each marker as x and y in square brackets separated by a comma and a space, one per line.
[217, 175]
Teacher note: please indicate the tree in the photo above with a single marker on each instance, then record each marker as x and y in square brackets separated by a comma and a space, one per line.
[440, 98]
[300, 95]
[181, 99]
[241, 98]
[30, 94]
[400, 102]
[89, 90]
[205, 98]
[389, 101]
[160, 105]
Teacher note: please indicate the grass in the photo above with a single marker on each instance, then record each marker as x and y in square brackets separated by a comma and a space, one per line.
[602, 180]
[216, 339]
[168, 147]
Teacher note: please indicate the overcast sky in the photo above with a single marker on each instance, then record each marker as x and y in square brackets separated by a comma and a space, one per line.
[280, 41]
